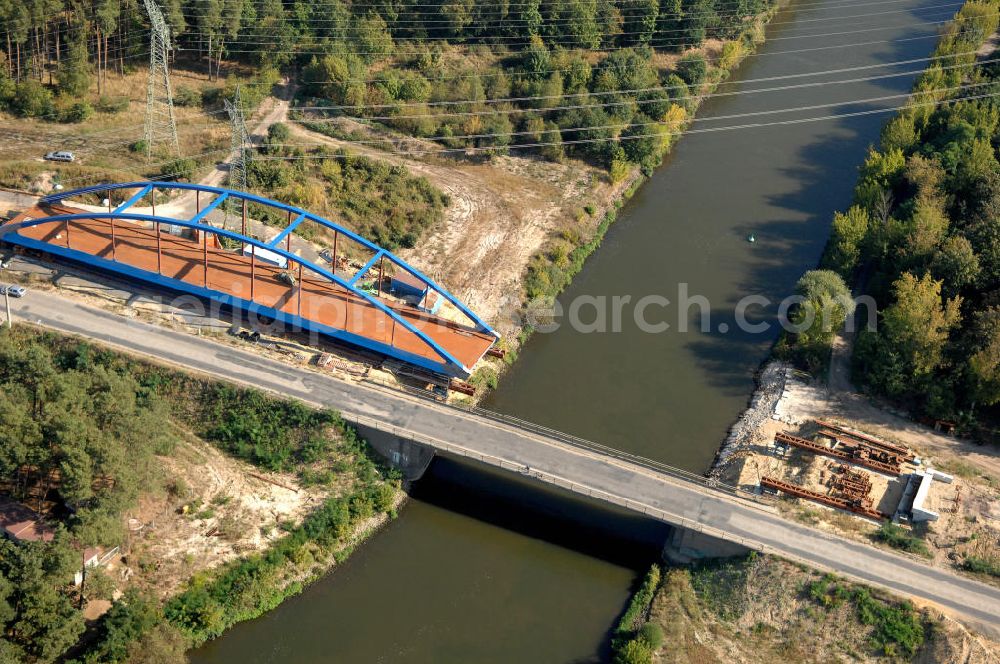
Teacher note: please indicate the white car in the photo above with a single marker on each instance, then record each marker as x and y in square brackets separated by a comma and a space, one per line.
[14, 291]
[61, 155]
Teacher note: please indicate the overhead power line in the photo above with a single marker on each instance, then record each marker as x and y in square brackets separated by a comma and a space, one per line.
[600, 66]
[478, 22]
[474, 149]
[657, 88]
[539, 144]
[947, 7]
[494, 148]
[613, 126]
[640, 102]
[643, 102]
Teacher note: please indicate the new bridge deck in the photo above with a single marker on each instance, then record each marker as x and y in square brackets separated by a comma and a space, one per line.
[227, 271]
[672, 496]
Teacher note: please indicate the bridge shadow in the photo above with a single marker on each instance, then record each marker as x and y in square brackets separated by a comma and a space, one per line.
[534, 510]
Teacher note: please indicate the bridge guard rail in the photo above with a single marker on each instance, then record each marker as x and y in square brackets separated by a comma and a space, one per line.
[581, 443]
[555, 480]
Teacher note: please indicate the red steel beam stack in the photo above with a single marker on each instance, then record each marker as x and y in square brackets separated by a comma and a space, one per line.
[877, 453]
[862, 507]
[905, 453]
[856, 455]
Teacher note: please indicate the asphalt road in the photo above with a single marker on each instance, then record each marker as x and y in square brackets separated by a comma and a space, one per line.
[687, 503]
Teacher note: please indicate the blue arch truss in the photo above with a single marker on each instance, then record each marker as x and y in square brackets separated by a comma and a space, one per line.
[443, 360]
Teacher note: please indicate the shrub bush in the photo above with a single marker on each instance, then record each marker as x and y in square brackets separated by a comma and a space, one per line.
[75, 112]
[896, 537]
[982, 565]
[112, 105]
[898, 629]
[636, 651]
[652, 634]
[179, 169]
[32, 100]
[636, 611]
[187, 96]
[692, 68]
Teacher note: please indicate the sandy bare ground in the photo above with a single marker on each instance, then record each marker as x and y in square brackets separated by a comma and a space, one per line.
[215, 509]
[501, 213]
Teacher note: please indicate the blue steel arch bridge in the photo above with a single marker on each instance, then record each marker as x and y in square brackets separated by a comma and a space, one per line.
[356, 293]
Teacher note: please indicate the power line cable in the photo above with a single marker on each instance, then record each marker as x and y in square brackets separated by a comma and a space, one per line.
[641, 102]
[661, 122]
[943, 7]
[658, 88]
[472, 149]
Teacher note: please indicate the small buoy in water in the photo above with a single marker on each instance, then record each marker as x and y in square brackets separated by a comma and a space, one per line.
[751, 238]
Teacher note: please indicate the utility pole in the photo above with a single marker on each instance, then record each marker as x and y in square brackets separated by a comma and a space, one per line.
[6, 302]
[160, 124]
[241, 149]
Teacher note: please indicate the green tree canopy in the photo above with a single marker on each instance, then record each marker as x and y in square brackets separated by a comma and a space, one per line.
[919, 321]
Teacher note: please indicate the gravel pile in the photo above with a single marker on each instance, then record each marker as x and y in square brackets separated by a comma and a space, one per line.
[770, 386]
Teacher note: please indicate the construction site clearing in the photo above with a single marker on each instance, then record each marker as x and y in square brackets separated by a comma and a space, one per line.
[836, 477]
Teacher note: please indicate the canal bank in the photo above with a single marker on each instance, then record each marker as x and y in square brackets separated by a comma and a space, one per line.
[442, 585]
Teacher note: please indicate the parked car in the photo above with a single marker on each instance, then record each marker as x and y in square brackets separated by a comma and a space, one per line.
[61, 155]
[286, 278]
[14, 291]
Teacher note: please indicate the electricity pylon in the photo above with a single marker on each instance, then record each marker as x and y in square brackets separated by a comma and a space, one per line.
[160, 124]
[241, 149]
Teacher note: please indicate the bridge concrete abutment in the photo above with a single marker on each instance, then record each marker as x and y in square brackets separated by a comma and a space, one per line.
[410, 458]
[685, 546]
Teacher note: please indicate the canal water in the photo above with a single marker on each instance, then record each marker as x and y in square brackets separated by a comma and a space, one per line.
[480, 568]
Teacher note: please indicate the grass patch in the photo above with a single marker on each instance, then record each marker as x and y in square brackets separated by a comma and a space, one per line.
[978, 565]
[25, 175]
[721, 584]
[898, 538]
[828, 593]
[968, 471]
[898, 629]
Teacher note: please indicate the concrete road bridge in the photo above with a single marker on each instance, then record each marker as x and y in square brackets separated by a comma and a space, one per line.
[424, 427]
